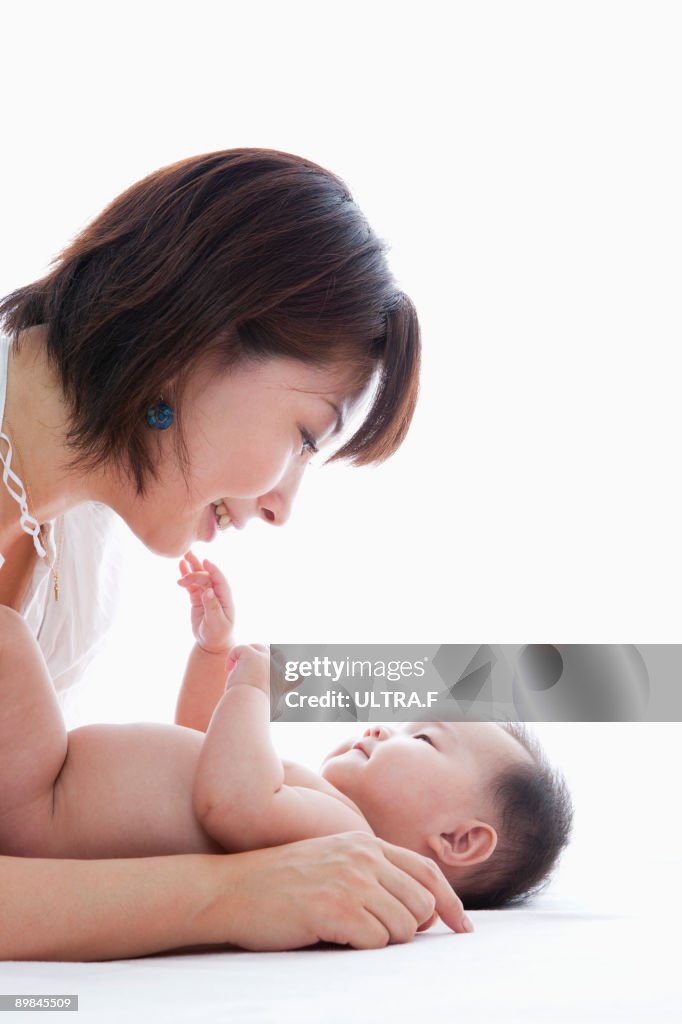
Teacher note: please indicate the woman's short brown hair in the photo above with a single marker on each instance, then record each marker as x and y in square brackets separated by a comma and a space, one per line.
[238, 255]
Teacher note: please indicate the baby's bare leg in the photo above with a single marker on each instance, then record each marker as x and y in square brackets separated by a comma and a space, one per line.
[33, 740]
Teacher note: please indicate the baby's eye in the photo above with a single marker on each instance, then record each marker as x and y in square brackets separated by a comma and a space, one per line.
[309, 443]
[423, 736]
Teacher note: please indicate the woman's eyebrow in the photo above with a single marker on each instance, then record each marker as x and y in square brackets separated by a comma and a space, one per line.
[338, 426]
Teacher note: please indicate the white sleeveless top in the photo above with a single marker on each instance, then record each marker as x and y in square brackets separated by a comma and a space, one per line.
[68, 631]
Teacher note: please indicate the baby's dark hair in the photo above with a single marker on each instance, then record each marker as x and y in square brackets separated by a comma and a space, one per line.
[533, 820]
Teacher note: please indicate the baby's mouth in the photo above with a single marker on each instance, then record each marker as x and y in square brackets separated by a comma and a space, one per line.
[221, 514]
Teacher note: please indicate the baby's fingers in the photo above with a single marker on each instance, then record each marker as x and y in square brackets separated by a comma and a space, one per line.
[218, 582]
[194, 587]
[212, 569]
[194, 562]
[195, 579]
[214, 614]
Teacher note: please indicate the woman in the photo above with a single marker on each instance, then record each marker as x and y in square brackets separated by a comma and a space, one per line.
[188, 351]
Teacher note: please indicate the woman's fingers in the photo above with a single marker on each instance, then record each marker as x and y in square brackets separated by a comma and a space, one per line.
[394, 922]
[412, 894]
[361, 929]
[347, 889]
[434, 893]
[427, 924]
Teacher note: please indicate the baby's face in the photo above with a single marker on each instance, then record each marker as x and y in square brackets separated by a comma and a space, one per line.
[421, 778]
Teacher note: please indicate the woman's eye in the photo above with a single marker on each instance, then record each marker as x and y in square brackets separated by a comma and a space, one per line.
[309, 444]
[423, 736]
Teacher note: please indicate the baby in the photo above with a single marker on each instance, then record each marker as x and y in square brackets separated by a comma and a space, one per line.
[477, 798]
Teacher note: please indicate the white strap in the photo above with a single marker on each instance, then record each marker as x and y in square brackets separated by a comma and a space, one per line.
[4, 359]
[28, 523]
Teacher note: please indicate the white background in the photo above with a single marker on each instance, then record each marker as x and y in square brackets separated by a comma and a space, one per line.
[523, 161]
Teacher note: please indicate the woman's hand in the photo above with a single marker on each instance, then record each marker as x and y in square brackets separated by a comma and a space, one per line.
[351, 889]
[212, 605]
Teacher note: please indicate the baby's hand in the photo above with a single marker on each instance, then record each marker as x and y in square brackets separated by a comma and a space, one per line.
[212, 604]
[249, 665]
[279, 684]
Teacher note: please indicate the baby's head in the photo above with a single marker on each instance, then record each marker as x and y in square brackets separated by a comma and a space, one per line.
[477, 797]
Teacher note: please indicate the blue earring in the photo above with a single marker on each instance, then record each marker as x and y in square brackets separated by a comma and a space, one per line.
[159, 416]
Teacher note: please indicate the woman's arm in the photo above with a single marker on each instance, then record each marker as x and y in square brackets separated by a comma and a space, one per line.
[103, 909]
[351, 889]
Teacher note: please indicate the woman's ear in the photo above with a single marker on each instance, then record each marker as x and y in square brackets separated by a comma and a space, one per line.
[471, 843]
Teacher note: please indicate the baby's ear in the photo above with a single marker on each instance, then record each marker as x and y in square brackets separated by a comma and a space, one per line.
[471, 843]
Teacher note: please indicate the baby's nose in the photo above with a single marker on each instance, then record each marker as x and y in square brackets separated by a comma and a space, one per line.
[378, 732]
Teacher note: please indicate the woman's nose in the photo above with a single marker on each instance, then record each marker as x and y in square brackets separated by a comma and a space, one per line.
[275, 506]
[274, 509]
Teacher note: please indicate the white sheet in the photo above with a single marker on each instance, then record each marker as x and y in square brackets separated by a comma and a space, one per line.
[598, 959]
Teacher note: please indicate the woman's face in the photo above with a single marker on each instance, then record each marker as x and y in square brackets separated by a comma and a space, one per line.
[250, 433]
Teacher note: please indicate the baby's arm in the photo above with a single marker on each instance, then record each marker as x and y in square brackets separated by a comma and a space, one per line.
[212, 623]
[240, 796]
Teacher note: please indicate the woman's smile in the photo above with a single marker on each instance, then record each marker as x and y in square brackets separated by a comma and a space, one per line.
[216, 517]
[223, 516]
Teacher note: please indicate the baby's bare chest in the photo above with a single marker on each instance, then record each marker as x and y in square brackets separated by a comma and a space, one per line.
[298, 775]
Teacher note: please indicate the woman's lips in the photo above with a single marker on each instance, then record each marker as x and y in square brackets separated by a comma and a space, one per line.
[217, 517]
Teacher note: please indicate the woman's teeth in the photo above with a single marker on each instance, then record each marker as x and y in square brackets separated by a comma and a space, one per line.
[222, 515]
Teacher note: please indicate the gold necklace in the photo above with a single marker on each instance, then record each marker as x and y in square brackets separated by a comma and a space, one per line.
[54, 566]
